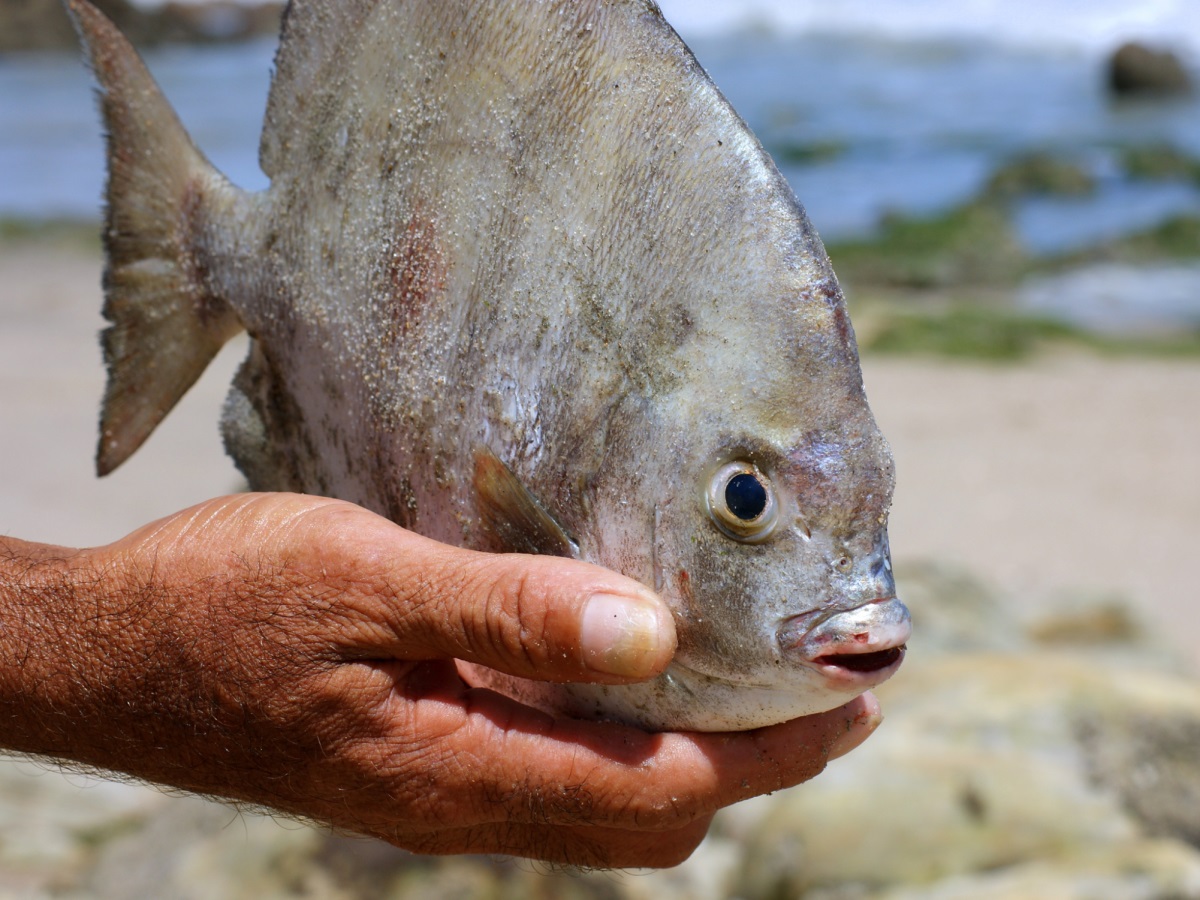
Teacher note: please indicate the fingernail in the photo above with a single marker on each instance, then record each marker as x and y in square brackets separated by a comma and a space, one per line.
[622, 635]
[867, 717]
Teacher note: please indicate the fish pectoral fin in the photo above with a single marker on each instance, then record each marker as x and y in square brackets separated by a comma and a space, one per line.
[167, 321]
[512, 517]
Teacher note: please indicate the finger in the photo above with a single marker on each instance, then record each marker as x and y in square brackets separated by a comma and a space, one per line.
[666, 780]
[531, 616]
[510, 763]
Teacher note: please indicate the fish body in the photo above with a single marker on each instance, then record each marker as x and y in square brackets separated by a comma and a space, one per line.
[524, 281]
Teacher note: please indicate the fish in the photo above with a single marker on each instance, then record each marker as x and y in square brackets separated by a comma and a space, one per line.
[523, 281]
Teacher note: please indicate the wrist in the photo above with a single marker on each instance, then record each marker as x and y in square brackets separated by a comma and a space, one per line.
[76, 671]
[40, 589]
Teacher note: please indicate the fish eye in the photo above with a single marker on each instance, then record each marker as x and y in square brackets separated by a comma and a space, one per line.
[742, 502]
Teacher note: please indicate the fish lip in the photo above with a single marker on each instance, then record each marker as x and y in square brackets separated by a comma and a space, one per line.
[863, 645]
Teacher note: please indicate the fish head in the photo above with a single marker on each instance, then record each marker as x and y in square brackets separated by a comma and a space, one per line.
[772, 550]
[764, 483]
[778, 568]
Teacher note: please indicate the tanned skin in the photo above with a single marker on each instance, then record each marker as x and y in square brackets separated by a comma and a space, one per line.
[298, 653]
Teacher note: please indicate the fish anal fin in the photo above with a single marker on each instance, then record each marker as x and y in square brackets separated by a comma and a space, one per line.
[512, 517]
[164, 201]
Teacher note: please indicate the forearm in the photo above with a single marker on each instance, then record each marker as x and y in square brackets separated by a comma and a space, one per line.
[173, 658]
[52, 656]
[101, 662]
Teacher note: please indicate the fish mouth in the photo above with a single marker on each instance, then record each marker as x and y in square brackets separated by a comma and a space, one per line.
[850, 651]
[858, 671]
[872, 662]
[859, 647]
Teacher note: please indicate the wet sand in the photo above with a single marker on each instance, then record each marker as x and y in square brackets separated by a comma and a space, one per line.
[1067, 474]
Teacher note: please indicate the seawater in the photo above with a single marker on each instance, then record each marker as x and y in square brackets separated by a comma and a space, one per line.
[870, 109]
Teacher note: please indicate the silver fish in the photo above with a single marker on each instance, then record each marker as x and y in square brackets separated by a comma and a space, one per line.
[524, 281]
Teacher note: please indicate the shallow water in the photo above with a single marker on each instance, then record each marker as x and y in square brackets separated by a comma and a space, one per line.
[1118, 299]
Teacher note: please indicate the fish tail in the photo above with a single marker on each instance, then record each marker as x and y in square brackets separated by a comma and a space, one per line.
[167, 319]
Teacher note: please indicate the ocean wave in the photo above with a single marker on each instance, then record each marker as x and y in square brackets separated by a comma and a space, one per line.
[1096, 26]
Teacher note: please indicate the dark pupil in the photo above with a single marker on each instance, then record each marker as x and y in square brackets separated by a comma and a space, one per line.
[745, 496]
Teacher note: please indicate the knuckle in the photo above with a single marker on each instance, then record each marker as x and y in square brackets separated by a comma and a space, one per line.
[507, 615]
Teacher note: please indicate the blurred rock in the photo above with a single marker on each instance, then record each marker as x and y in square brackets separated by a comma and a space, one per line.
[1120, 299]
[74, 837]
[974, 244]
[807, 153]
[954, 612]
[998, 763]
[1135, 69]
[1159, 161]
[44, 25]
[1148, 750]
[1141, 870]
[1088, 621]
[1040, 174]
[1019, 758]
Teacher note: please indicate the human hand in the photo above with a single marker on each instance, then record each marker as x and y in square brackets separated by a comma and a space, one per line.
[298, 653]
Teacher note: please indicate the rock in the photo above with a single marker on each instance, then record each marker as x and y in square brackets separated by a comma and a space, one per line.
[974, 244]
[1145, 748]
[1121, 300]
[812, 153]
[1043, 757]
[75, 837]
[954, 613]
[1039, 174]
[1135, 69]
[1088, 621]
[1161, 161]
[1143, 870]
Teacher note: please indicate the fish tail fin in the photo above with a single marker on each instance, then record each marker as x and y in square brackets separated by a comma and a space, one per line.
[166, 319]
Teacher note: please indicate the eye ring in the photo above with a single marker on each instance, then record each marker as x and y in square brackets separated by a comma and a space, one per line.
[741, 502]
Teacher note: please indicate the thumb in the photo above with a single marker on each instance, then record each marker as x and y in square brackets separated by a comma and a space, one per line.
[541, 617]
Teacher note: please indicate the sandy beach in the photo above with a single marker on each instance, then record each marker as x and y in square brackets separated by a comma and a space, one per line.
[1067, 476]
[1071, 474]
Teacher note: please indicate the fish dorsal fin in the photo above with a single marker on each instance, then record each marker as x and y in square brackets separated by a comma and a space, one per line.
[512, 517]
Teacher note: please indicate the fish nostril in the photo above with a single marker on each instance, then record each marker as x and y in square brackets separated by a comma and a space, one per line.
[843, 564]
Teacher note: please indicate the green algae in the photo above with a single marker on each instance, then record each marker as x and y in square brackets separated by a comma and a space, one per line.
[992, 334]
[1039, 174]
